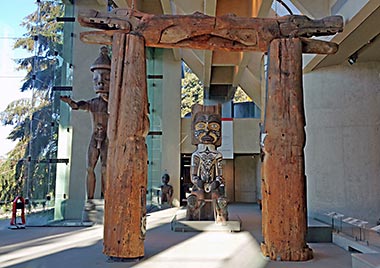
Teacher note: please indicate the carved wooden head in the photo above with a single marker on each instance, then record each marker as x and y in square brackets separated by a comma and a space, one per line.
[206, 125]
[101, 69]
[103, 61]
[165, 178]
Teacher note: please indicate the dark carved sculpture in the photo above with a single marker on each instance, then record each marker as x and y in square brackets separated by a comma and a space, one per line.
[166, 190]
[207, 200]
[99, 115]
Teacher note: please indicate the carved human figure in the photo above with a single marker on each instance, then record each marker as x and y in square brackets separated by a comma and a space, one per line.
[99, 116]
[194, 207]
[206, 165]
[166, 190]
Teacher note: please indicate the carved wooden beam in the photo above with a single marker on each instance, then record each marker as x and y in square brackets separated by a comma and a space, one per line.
[199, 31]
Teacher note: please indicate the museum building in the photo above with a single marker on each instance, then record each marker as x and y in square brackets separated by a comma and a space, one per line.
[341, 101]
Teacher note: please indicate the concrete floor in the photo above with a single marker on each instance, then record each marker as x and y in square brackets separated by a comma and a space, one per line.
[55, 247]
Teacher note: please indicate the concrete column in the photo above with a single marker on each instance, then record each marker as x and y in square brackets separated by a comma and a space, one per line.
[171, 121]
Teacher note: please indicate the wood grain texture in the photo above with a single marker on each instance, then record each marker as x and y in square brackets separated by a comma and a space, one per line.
[284, 217]
[199, 31]
[125, 204]
[284, 181]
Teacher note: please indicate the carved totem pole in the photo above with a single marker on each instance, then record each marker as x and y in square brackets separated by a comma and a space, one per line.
[97, 107]
[284, 181]
[207, 200]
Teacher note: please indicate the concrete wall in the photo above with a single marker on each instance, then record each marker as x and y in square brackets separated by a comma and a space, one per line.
[245, 178]
[171, 121]
[246, 136]
[342, 106]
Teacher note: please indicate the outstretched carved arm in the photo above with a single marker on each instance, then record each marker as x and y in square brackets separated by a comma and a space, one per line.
[83, 105]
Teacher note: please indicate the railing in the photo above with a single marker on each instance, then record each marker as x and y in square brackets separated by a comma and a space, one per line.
[35, 205]
[359, 230]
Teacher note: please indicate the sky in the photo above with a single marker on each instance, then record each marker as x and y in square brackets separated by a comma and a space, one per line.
[11, 15]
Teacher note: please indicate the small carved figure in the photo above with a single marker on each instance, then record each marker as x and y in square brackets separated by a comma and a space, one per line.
[194, 207]
[206, 166]
[99, 115]
[166, 190]
[221, 210]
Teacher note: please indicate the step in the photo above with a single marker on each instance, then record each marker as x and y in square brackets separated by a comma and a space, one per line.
[318, 232]
[368, 260]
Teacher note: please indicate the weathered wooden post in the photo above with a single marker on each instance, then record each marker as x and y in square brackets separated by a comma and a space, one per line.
[284, 219]
[284, 183]
[125, 200]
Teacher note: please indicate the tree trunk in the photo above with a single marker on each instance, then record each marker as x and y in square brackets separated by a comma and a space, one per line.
[128, 125]
[284, 218]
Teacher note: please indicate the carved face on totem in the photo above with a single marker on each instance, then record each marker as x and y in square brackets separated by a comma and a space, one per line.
[101, 69]
[207, 126]
[101, 80]
[207, 129]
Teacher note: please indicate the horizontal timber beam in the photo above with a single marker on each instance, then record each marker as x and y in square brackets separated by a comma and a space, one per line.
[199, 31]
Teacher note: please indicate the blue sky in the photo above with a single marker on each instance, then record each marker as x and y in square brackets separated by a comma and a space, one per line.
[11, 15]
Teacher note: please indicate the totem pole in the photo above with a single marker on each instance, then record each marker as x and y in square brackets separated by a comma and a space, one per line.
[97, 107]
[207, 200]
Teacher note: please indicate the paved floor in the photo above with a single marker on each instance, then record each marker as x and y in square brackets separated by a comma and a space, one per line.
[55, 247]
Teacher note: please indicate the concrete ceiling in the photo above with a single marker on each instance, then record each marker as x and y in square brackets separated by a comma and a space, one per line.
[359, 39]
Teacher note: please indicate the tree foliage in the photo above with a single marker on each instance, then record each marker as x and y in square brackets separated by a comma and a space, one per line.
[241, 96]
[44, 39]
[191, 90]
[34, 120]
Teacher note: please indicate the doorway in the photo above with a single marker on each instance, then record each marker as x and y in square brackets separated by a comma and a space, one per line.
[185, 182]
[245, 178]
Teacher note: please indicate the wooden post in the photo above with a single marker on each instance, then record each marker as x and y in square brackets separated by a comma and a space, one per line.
[284, 213]
[284, 181]
[125, 200]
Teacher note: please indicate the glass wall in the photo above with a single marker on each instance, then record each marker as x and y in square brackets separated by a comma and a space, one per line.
[63, 86]
[35, 162]
[154, 138]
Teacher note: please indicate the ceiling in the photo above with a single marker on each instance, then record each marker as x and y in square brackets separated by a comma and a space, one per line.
[360, 39]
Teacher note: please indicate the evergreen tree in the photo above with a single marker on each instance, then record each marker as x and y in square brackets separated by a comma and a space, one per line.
[34, 120]
[44, 39]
